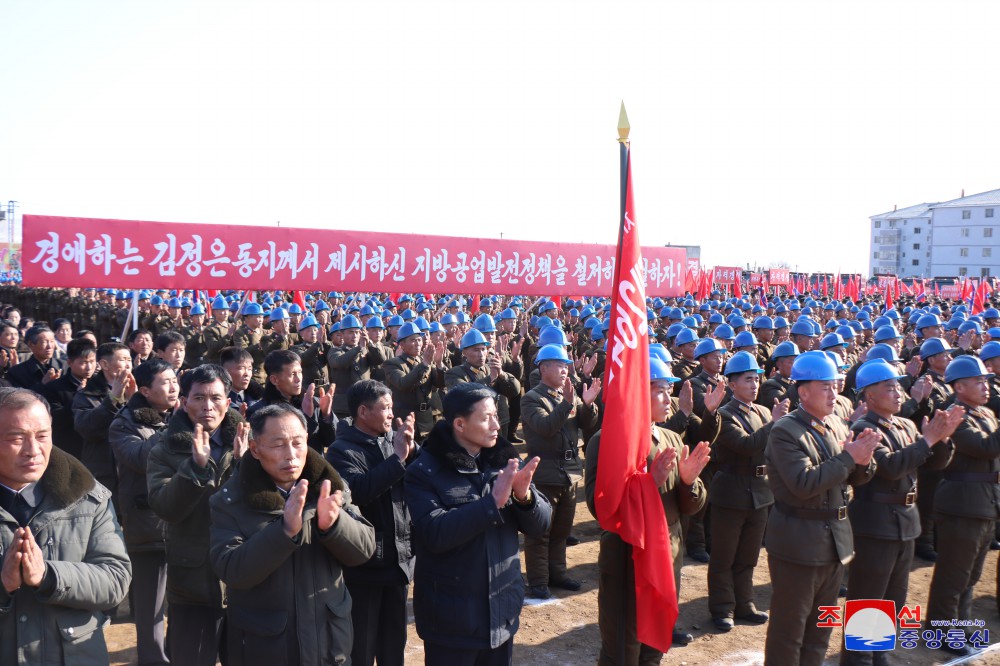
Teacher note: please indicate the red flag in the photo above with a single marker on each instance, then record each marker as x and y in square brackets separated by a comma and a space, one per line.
[979, 299]
[888, 295]
[558, 301]
[626, 498]
[738, 288]
[826, 287]
[299, 299]
[966, 290]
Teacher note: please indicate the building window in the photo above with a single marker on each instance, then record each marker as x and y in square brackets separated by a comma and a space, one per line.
[916, 246]
[878, 224]
[875, 254]
[916, 230]
[963, 252]
[966, 214]
[987, 232]
[962, 271]
[987, 252]
[916, 262]
[989, 212]
[965, 232]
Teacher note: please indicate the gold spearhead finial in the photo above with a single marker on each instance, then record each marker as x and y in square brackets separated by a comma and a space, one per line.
[623, 126]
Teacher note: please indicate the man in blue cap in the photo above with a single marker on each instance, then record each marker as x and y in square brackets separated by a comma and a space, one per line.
[352, 362]
[313, 349]
[812, 459]
[415, 375]
[219, 331]
[482, 365]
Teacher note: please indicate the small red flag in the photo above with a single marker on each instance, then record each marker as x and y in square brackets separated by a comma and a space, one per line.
[888, 295]
[626, 497]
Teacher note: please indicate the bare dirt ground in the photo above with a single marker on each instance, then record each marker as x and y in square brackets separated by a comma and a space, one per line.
[565, 631]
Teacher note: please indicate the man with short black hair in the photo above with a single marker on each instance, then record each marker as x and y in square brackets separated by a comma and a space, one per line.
[171, 346]
[284, 384]
[283, 530]
[372, 458]
[42, 366]
[131, 436]
[81, 357]
[239, 364]
[48, 500]
[190, 461]
[140, 342]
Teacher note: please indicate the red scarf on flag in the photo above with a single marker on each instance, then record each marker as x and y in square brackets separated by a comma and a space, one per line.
[626, 497]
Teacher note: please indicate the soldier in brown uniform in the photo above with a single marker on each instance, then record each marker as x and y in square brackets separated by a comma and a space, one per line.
[811, 459]
[352, 362]
[685, 366]
[414, 376]
[248, 335]
[553, 420]
[739, 495]
[277, 339]
[483, 366]
[883, 514]
[313, 350]
[676, 473]
[967, 501]
[218, 333]
[780, 387]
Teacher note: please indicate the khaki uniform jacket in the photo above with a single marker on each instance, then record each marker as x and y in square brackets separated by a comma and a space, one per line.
[87, 572]
[684, 369]
[552, 430]
[413, 384]
[808, 469]
[267, 343]
[348, 366]
[216, 339]
[195, 346]
[179, 492]
[506, 385]
[777, 388]
[741, 479]
[288, 602]
[898, 456]
[977, 451]
[314, 362]
[701, 384]
[678, 499]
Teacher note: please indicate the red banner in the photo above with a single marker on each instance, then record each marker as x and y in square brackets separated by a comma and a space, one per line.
[778, 277]
[756, 280]
[84, 252]
[952, 291]
[727, 274]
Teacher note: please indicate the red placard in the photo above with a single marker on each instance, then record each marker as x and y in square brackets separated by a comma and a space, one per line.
[778, 277]
[756, 279]
[727, 274]
[85, 252]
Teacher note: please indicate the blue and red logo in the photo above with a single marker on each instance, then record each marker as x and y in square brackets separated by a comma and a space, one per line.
[870, 625]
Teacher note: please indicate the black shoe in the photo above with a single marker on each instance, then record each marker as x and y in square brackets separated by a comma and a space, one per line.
[514, 439]
[698, 556]
[538, 592]
[843, 591]
[572, 541]
[995, 545]
[680, 638]
[926, 554]
[571, 584]
[753, 616]
[960, 651]
[879, 659]
[723, 624]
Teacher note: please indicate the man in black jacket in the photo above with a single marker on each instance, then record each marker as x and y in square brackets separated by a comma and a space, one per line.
[81, 354]
[42, 366]
[371, 458]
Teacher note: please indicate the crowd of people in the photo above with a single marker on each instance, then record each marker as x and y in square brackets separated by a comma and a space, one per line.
[271, 474]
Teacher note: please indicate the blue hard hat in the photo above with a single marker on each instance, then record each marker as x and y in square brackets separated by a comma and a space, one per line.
[408, 314]
[737, 322]
[660, 352]
[689, 322]
[374, 322]
[724, 332]
[436, 327]
[510, 314]
[846, 331]
[335, 328]
[485, 324]
[763, 323]
[218, 304]
[964, 367]
[716, 318]
[674, 329]
[707, 346]
[198, 309]
[804, 327]
[407, 330]
[884, 352]
[970, 326]
[278, 314]
[990, 350]
[874, 371]
[745, 339]
[742, 362]
[991, 313]
[550, 335]
[786, 348]
[174, 302]
[933, 347]
[295, 308]
[596, 333]
[395, 320]
[587, 311]
[892, 314]
[252, 309]
[552, 353]
[780, 322]
[660, 371]
[832, 340]
[307, 321]
[815, 366]
[685, 336]
[447, 319]
[349, 322]
[928, 320]
[366, 310]
[157, 300]
[472, 338]
[422, 324]
[887, 332]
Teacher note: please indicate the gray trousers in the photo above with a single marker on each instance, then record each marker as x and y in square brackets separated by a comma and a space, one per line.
[149, 589]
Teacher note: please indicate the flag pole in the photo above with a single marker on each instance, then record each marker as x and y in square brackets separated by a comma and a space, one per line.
[623, 130]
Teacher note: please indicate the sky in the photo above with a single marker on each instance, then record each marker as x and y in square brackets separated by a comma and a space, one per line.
[765, 132]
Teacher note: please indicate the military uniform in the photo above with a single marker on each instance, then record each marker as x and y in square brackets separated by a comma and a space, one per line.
[699, 540]
[739, 496]
[194, 345]
[684, 369]
[348, 366]
[809, 538]
[506, 385]
[927, 479]
[314, 362]
[777, 388]
[216, 339]
[413, 384]
[616, 595]
[966, 507]
[552, 429]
